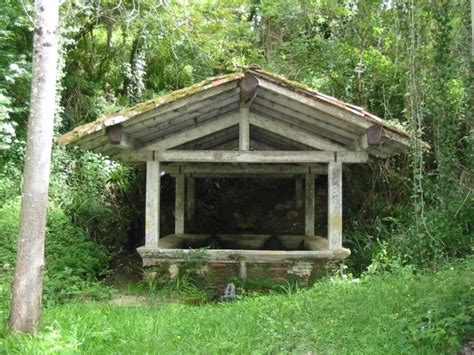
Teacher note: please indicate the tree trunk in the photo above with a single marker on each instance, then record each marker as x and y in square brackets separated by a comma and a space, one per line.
[27, 287]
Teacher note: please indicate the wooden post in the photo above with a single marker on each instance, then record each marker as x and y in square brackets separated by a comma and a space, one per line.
[299, 191]
[335, 205]
[152, 213]
[309, 206]
[190, 200]
[244, 129]
[179, 205]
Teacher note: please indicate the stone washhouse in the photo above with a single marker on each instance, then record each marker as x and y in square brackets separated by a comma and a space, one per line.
[250, 124]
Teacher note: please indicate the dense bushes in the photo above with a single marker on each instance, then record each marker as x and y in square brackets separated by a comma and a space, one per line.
[73, 262]
[446, 232]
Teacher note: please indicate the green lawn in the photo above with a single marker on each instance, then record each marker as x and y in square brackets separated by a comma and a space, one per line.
[381, 314]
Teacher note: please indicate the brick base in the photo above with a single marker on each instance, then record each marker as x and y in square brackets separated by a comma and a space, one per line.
[247, 274]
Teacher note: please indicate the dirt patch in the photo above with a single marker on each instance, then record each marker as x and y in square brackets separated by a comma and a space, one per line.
[129, 301]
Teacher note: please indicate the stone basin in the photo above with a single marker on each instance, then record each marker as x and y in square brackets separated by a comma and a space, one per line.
[195, 240]
[291, 242]
[243, 241]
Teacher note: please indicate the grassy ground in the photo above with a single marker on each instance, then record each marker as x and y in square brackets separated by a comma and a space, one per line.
[397, 313]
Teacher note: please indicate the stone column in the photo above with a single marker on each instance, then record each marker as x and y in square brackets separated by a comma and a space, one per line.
[335, 205]
[152, 204]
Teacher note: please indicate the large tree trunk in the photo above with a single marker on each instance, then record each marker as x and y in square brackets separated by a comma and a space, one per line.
[28, 285]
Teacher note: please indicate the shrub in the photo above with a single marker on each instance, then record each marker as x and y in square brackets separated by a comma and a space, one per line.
[73, 263]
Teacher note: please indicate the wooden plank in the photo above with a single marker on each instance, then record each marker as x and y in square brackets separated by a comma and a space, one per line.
[309, 205]
[197, 132]
[294, 133]
[312, 120]
[164, 127]
[345, 116]
[244, 129]
[95, 134]
[308, 110]
[241, 176]
[223, 156]
[152, 204]
[182, 104]
[243, 169]
[190, 199]
[337, 112]
[179, 205]
[215, 139]
[275, 140]
[352, 157]
[294, 122]
[335, 205]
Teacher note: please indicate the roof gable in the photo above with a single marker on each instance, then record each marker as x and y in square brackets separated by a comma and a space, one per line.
[204, 116]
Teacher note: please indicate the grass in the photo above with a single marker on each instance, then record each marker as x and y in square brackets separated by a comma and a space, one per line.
[393, 313]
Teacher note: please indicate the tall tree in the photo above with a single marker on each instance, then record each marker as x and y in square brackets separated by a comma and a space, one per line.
[28, 285]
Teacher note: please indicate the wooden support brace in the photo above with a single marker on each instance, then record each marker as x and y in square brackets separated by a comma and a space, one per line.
[244, 129]
[335, 205]
[179, 205]
[309, 205]
[152, 205]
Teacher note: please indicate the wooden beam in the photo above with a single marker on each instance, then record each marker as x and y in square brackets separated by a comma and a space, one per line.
[152, 205]
[199, 131]
[352, 157]
[186, 119]
[309, 205]
[294, 133]
[335, 205]
[190, 199]
[225, 156]
[240, 176]
[179, 205]
[248, 89]
[243, 169]
[337, 112]
[279, 111]
[244, 129]
[118, 138]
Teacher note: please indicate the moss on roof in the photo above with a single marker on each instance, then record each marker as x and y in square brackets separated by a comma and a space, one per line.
[124, 115]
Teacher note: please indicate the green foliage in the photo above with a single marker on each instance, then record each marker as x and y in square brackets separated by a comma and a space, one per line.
[73, 263]
[396, 313]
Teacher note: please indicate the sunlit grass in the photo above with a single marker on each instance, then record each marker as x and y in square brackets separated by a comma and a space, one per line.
[399, 313]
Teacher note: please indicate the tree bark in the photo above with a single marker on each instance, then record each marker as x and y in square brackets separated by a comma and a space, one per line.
[25, 308]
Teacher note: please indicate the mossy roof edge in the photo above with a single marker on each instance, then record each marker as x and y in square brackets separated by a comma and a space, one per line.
[154, 103]
[308, 91]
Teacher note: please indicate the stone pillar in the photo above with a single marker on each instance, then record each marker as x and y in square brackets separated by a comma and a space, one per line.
[309, 205]
[152, 204]
[179, 205]
[335, 205]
